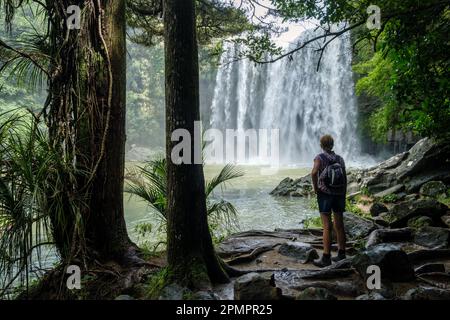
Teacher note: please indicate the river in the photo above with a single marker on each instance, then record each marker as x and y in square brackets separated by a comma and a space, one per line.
[249, 194]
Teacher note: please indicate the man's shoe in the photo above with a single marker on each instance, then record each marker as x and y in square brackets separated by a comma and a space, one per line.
[339, 257]
[323, 262]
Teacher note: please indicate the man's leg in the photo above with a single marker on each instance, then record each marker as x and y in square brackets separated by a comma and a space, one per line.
[326, 257]
[338, 220]
[326, 223]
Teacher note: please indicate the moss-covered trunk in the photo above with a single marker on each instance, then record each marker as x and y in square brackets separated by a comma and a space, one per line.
[87, 122]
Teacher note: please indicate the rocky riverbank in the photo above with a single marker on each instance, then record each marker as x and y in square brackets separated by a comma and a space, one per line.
[401, 224]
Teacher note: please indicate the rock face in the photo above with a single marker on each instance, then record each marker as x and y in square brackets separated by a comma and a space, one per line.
[433, 237]
[403, 211]
[298, 250]
[425, 161]
[254, 286]
[301, 187]
[433, 189]
[393, 262]
[315, 294]
[357, 227]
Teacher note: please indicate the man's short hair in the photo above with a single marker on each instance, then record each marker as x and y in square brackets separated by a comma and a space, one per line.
[327, 142]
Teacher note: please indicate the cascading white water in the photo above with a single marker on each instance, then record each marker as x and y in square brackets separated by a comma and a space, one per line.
[292, 96]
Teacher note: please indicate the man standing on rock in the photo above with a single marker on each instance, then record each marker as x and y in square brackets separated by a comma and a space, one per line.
[330, 185]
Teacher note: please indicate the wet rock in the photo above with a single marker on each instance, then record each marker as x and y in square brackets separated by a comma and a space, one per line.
[301, 187]
[236, 246]
[357, 227]
[430, 267]
[389, 235]
[371, 296]
[403, 211]
[392, 190]
[377, 208]
[174, 292]
[427, 293]
[432, 237]
[254, 286]
[298, 250]
[315, 294]
[393, 262]
[418, 222]
[433, 189]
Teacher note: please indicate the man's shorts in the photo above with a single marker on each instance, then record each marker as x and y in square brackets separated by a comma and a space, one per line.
[328, 203]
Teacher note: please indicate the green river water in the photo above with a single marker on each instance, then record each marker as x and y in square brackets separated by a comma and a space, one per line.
[249, 194]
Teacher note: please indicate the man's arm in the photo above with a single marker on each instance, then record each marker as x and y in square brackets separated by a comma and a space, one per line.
[315, 175]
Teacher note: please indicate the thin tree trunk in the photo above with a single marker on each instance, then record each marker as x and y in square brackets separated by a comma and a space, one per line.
[191, 256]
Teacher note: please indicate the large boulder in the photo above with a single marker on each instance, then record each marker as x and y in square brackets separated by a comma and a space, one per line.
[392, 261]
[357, 227]
[433, 189]
[255, 286]
[433, 237]
[426, 161]
[302, 251]
[301, 187]
[403, 211]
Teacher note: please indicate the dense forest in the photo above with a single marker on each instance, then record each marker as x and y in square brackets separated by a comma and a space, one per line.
[75, 100]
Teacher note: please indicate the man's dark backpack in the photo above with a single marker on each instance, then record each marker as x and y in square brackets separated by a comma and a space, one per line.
[332, 175]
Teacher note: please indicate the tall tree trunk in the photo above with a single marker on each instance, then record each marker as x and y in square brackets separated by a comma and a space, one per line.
[87, 122]
[191, 256]
[106, 225]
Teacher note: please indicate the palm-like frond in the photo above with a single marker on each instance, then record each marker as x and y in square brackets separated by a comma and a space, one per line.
[149, 183]
[228, 172]
[33, 180]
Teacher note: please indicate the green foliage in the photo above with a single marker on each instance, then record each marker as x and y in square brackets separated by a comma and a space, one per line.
[390, 198]
[157, 282]
[33, 193]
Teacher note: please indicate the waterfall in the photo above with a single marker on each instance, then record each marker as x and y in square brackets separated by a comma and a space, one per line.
[292, 96]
